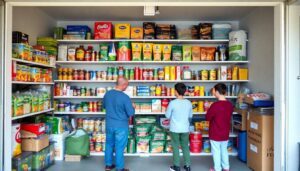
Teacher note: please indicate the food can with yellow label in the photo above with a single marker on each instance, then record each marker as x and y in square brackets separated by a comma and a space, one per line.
[204, 75]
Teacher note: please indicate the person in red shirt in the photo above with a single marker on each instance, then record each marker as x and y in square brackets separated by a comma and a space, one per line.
[219, 117]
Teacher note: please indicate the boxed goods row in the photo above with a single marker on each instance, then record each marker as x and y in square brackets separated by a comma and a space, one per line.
[91, 106]
[150, 30]
[30, 74]
[63, 89]
[29, 102]
[127, 51]
[165, 73]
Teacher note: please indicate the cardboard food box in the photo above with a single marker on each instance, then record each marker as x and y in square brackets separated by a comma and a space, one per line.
[35, 128]
[103, 30]
[122, 31]
[156, 105]
[59, 145]
[35, 144]
[72, 158]
[260, 146]
[243, 73]
[137, 33]
[242, 123]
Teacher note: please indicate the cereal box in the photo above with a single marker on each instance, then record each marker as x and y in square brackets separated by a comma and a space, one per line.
[137, 33]
[122, 31]
[103, 30]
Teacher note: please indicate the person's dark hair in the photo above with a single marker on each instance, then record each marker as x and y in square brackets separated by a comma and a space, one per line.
[221, 88]
[180, 88]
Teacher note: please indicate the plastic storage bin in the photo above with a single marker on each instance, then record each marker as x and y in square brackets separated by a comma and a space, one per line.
[43, 159]
[22, 162]
[221, 31]
[242, 146]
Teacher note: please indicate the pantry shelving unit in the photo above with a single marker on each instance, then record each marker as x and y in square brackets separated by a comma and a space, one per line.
[149, 62]
[141, 97]
[31, 63]
[103, 113]
[32, 83]
[153, 81]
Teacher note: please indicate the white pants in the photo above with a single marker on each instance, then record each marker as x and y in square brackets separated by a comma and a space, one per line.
[220, 155]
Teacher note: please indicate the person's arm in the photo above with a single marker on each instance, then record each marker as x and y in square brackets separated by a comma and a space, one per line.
[103, 101]
[191, 113]
[129, 107]
[169, 111]
[210, 113]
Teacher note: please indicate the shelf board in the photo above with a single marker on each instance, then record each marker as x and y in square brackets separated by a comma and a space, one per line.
[153, 81]
[149, 62]
[32, 114]
[32, 83]
[137, 113]
[141, 97]
[190, 41]
[32, 63]
[233, 153]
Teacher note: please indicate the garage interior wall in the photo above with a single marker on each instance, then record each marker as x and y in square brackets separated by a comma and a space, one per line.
[1, 82]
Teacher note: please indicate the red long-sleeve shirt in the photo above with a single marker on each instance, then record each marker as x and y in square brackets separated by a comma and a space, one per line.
[219, 117]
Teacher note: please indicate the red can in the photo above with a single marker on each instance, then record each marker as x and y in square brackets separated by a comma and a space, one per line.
[95, 106]
[136, 73]
[141, 76]
[196, 142]
[164, 105]
[91, 106]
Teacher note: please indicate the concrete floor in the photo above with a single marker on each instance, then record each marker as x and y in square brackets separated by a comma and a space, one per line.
[144, 164]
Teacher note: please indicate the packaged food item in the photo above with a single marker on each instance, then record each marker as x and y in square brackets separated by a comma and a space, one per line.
[221, 31]
[156, 128]
[196, 53]
[136, 51]
[122, 31]
[205, 31]
[235, 73]
[167, 73]
[22, 162]
[19, 37]
[185, 34]
[168, 147]
[157, 146]
[207, 53]
[103, 30]
[145, 120]
[206, 146]
[63, 53]
[165, 123]
[187, 52]
[143, 144]
[166, 50]
[243, 73]
[186, 73]
[159, 136]
[131, 145]
[123, 52]
[112, 55]
[202, 126]
[149, 30]
[165, 31]
[157, 51]
[156, 105]
[195, 32]
[137, 33]
[80, 51]
[104, 52]
[147, 51]
[176, 53]
[237, 45]
[172, 73]
[164, 105]
[223, 72]
[16, 139]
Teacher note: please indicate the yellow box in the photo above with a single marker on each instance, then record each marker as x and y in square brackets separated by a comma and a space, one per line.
[243, 73]
[122, 31]
[137, 33]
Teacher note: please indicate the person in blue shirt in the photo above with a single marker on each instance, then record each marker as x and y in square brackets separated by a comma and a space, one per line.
[180, 113]
[118, 108]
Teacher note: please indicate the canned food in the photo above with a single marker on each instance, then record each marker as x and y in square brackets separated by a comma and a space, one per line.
[197, 91]
[172, 73]
[172, 91]
[167, 73]
[200, 106]
[204, 75]
[61, 107]
[152, 90]
[212, 74]
[202, 91]
[161, 74]
[67, 107]
[195, 106]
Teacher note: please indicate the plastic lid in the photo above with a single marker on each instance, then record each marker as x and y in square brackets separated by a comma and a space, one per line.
[222, 26]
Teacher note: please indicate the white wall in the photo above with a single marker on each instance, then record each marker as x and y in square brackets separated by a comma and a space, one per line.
[32, 21]
[293, 92]
[260, 24]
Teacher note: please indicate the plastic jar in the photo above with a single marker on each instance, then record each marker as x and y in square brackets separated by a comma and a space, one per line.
[187, 73]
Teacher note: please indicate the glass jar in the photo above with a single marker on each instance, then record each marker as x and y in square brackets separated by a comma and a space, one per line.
[60, 71]
[80, 52]
[75, 74]
[65, 74]
[187, 73]
[70, 74]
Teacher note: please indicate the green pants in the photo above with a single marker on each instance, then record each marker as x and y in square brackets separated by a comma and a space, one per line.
[182, 139]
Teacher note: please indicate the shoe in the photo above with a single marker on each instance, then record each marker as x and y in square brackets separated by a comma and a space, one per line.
[110, 168]
[187, 168]
[123, 170]
[211, 169]
[226, 170]
[174, 168]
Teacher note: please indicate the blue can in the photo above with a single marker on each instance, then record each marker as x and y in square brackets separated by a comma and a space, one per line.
[93, 75]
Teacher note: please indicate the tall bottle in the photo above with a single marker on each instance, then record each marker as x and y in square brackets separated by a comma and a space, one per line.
[80, 52]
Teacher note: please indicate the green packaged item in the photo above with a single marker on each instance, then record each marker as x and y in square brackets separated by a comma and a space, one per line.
[142, 130]
[145, 120]
[18, 101]
[157, 146]
[41, 102]
[46, 98]
[39, 160]
[156, 128]
[26, 103]
[35, 103]
[143, 144]
[57, 125]
[168, 147]
[22, 162]
[237, 46]
[112, 55]
[59, 33]
[131, 146]
[78, 143]
[176, 53]
[104, 52]
[187, 52]
[157, 136]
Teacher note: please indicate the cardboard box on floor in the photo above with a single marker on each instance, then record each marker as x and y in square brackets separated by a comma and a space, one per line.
[243, 125]
[260, 145]
[72, 158]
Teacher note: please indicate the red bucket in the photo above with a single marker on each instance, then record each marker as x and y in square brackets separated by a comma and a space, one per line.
[196, 142]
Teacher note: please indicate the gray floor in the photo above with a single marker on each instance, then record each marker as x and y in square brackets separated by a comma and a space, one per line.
[144, 164]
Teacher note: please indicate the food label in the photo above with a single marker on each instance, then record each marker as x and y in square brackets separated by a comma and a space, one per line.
[103, 30]
[253, 148]
[254, 125]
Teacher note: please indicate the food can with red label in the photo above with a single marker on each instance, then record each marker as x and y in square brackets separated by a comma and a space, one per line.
[164, 105]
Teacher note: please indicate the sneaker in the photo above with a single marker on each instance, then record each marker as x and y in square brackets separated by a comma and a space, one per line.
[110, 168]
[211, 169]
[187, 168]
[174, 168]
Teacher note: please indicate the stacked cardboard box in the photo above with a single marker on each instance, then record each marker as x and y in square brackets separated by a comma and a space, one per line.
[260, 146]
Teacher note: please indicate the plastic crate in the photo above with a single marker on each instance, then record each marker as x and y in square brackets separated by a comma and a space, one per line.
[22, 162]
[43, 159]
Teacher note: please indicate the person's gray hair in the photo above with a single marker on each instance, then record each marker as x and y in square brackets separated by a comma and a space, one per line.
[121, 81]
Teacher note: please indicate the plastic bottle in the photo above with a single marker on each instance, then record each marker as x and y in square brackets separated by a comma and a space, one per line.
[80, 52]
